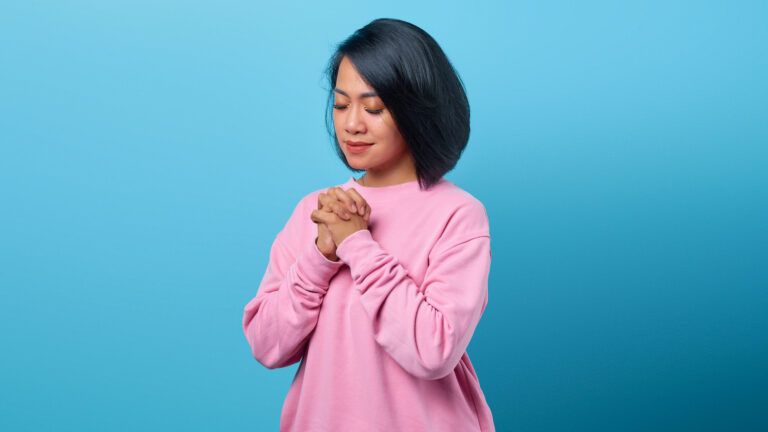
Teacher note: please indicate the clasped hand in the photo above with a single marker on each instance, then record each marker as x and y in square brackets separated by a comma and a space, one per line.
[339, 214]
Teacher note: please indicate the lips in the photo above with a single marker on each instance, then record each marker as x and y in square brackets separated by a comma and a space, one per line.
[358, 143]
[358, 147]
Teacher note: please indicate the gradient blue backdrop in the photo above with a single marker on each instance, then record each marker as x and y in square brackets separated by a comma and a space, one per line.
[151, 150]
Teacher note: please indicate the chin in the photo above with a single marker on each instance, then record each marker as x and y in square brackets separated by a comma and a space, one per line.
[355, 162]
[357, 165]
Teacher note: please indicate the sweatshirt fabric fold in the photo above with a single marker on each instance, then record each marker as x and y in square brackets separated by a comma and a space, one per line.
[382, 333]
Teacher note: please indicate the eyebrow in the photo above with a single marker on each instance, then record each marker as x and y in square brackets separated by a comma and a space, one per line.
[362, 95]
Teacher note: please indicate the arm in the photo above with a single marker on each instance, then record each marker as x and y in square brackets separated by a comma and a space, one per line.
[278, 321]
[425, 332]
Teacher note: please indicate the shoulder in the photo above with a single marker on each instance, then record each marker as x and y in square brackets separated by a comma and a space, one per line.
[462, 205]
[464, 215]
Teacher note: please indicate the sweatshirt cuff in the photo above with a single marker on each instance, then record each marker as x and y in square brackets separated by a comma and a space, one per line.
[356, 249]
[316, 267]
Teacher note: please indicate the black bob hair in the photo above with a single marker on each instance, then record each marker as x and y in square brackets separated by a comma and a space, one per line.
[418, 85]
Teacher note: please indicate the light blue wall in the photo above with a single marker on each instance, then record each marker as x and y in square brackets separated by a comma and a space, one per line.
[150, 150]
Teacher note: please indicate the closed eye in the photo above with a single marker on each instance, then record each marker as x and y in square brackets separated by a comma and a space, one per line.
[343, 107]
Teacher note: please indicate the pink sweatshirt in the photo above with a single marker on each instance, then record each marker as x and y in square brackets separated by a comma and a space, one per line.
[382, 333]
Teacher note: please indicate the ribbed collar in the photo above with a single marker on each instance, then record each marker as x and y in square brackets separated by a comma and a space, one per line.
[391, 192]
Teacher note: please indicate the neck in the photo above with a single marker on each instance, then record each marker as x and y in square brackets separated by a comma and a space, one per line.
[373, 180]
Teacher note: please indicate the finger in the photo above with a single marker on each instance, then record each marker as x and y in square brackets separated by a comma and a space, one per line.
[340, 210]
[367, 215]
[342, 196]
[331, 204]
[322, 217]
[362, 204]
[319, 216]
[324, 198]
[320, 198]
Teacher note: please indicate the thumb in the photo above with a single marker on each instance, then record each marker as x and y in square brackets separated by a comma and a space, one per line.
[320, 216]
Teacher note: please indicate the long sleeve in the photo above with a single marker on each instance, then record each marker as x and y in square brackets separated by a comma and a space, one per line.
[425, 331]
[279, 319]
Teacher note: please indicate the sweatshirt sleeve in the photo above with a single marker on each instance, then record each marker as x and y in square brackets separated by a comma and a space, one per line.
[425, 331]
[278, 321]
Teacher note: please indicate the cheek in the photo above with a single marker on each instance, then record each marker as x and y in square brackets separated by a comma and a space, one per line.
[338, 123]
[383, 128]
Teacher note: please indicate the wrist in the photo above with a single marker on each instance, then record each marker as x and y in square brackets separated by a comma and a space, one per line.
[329, 256]
[332, 257]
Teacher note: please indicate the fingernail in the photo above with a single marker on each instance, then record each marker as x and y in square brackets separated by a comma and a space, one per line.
[354, 208]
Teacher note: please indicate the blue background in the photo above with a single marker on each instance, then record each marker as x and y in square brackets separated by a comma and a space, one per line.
[151, 150]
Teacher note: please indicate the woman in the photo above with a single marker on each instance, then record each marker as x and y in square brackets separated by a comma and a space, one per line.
[378, 284]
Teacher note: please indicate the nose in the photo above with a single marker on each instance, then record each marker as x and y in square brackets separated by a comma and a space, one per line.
[353, 122]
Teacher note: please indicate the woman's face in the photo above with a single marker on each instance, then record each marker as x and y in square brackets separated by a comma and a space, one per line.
[359, 115]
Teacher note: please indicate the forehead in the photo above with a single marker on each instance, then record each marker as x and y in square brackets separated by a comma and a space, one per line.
[350, 83]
